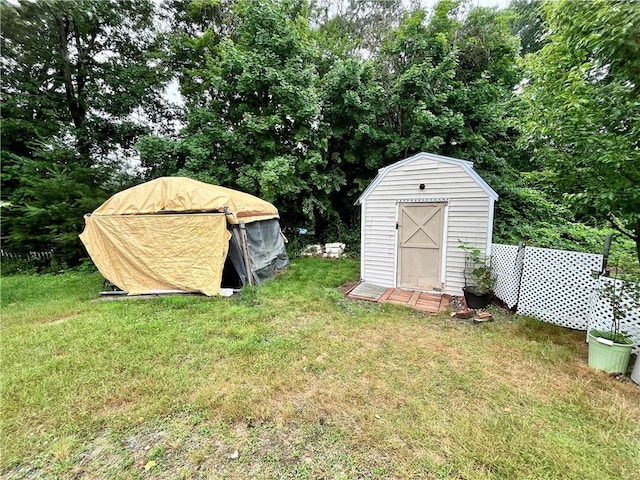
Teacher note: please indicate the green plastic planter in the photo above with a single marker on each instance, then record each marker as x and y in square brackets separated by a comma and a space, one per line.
[606, 355]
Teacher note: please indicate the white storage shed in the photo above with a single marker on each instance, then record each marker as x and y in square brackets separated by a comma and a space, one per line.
[415, 215]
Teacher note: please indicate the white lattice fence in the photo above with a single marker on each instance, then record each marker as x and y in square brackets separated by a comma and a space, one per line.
[506, 264]
[601, 311]
[557, 286]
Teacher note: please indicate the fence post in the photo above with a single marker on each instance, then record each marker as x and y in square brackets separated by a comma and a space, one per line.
[605, 255]
[519, 271]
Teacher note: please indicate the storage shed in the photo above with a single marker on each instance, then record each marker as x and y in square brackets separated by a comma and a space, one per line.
[415, 215]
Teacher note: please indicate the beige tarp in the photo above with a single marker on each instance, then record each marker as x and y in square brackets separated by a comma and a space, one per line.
[168, 234]
[179, 194]
[141, 253]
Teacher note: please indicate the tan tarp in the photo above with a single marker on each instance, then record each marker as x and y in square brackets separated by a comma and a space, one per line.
[168, 234]
[179, 194]
[141, 253]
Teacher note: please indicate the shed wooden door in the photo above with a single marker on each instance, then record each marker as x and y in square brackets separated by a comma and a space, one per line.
[420, 234]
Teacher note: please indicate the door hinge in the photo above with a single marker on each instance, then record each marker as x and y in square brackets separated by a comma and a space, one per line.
[396, 225]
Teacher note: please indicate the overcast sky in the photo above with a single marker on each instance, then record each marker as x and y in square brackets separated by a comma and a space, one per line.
[490, 3]
[475, 3]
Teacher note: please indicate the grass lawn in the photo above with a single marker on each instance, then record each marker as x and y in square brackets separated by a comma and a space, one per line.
[291, 380]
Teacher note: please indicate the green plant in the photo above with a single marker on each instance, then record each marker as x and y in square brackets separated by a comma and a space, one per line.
[623, 296]
[478, 271]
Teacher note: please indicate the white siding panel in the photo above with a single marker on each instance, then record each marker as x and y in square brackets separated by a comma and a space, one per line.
[468, 219]
[416, 193]
[383, 247]
[442, 180]
[387, 184]
[462, 213]
[471, 227]
[456, 257]
[380, 224]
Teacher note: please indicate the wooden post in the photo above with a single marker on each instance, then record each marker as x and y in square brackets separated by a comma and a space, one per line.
[245, 253]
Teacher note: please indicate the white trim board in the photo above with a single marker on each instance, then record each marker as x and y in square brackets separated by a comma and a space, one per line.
[395, 248]
[445, 241]
[362, 239]
[489, 228]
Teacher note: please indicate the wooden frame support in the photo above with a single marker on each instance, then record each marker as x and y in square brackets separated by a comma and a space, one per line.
[245, 252]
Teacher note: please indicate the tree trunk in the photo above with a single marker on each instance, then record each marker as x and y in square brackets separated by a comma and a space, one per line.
[74, 82]
[63, 24]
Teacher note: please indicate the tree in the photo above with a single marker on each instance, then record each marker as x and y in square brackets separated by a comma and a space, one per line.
[196, 29]
[353, 110]
[80, 84]
[253, 117]
[583, 110]
[417, 68]
[54, 194]
[90, 62]
[447, 82]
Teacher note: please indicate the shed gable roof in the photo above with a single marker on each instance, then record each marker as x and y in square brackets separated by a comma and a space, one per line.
[464, 164]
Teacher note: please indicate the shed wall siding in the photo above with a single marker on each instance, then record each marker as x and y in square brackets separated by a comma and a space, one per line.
[468, 214]
[380, 242]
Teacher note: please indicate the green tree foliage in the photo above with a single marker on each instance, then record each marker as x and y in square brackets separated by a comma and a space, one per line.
[87, 65]
[196, 29]
[417, 67]
[253, 117]
[526, 22]
[436, 84]
[447, 83]
[353, 110]
[53, 195]
[80, 84]
[350, 26]
[583, 110]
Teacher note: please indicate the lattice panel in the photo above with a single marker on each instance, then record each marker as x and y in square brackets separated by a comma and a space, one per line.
[601, 314]
[557, 286]
[506, 264]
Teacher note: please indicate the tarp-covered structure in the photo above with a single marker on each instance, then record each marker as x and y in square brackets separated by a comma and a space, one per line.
[175, 233]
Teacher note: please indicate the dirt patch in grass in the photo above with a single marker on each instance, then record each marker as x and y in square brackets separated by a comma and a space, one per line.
[62, 319]
[348, 286]
[181, 447]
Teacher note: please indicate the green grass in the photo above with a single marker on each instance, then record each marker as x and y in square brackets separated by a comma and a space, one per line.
[292, 380]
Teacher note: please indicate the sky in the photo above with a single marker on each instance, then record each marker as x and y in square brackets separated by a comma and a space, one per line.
[474, 3]
[490, 3]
